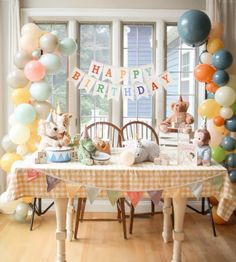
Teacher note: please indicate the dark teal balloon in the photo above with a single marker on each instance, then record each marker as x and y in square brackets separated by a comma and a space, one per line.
[230, 123]
[232, 176]
[222, 59]
[221, 77]
[231, 160]
[194, 27]
[228, 143]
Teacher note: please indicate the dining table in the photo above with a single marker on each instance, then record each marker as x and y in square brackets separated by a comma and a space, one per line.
[177, 183]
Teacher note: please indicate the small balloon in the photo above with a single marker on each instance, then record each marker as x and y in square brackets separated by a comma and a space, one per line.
[7, 161]
[21, 212]
[21, 59]
[36, 54]
[20, 95]
[221, 77]
[17, 79]
[31, 29]
[214, 44]
[42, 109]
[228, 143]
[204, 73]
[217, 30]
[29, 43]
[19, 134]
[231, 160]
[222, 59]
[24, 114]
[51, 62]
[225, 96]
[205, 58]
[218, 121]
[230, 123]
[34, 71]
[48, 43]
[8, 145]
[218, 154]
[232, 176]
[212, 87]
[209, 108]
[226, 112]
[40, 91]
[67, 46]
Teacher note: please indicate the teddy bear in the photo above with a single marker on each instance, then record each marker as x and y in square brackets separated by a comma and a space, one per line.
[202, 138]
[179, 119]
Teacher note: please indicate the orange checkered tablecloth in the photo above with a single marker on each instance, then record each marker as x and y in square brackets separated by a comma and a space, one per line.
[114, 176]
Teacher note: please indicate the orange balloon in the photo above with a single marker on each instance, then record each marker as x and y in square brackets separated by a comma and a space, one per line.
[212, 87]
[217, 30]
[218, 121]
[217, 219]
[222, 130]
[204, 73]
[214, 44]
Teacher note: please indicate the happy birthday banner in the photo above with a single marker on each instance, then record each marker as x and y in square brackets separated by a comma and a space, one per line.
[105, 81]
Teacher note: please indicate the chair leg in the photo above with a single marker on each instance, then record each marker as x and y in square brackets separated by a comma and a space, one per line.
[118, 211]
[212, 221]
[131, 219]
[77, 217]
[32, 218]
[122, 207]
[172, 214]
[152, 208]
[83, 208]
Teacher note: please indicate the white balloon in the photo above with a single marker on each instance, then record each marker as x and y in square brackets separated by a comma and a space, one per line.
[226, 112]
[11, 119]
[225, 96]
[206, 58]
[22, 150]
[19, 134]
[8, 145]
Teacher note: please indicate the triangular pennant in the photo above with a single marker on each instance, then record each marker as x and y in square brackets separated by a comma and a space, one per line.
[113, 196]
[141, 90]
[155, 196]
[92, 193]
[76, 76]
[148, 72]
[113, 92]
[108, 73]
[165, 79]
[134, 197]
[51, 182]
[32, 174]
[136, 75]
[72, 189]
[196, 189]
[217, 182]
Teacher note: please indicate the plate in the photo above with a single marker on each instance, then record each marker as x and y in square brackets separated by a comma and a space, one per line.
[101, 157]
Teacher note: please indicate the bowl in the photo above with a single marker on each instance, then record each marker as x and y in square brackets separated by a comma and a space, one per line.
[58, 155]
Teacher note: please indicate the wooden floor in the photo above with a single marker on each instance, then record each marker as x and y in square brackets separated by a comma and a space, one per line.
[103, 241]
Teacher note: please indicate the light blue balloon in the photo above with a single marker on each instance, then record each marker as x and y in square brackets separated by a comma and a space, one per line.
[228, 143]
[222, 59]
[51, 62]
[221, 77]
[24, 114]
[67, 46]
[41, 90]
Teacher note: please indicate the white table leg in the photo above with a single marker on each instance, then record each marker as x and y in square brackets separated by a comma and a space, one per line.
[178, 234]
[167, 227]
[69, 219]
[61, 206]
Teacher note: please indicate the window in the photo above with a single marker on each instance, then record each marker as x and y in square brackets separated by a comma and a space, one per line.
[180, 62]
[95, 44]
[58, 81]
[138, 49]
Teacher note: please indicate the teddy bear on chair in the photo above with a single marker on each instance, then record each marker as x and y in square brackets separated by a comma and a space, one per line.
[179, 119]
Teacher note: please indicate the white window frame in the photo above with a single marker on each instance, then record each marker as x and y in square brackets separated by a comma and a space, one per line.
[115, 16]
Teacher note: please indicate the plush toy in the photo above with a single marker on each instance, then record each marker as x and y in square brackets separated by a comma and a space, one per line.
[202, 138]
[86, 149]
[179, 119]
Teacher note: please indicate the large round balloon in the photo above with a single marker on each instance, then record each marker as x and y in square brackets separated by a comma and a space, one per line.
[222, 59]
[19, 134]
[218, 154]
[21, 212]
[21, 59]
[48, 42]
[40, 91]
[225, 96]
[194, 27]
[221, 77]
[24, 114]
[31, 29]
[7, 160]
[212, 87]
[34, 71]
[17, 79]
[230, 124]
[20, 95]
[205, 58]
[204, 73]
[67, 46]
[42, 109]
[7, 144]
[29, 43]
[231, 160]
[51, 62]
[209, 108]
[232, 176]
[226, 112]
[228, 143]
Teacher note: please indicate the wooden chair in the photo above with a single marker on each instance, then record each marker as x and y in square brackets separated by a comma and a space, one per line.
[104, 130]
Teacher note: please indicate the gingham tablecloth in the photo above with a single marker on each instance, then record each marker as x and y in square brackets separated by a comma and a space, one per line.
[139, 177]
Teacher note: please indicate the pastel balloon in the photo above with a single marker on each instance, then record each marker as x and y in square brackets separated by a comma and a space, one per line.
[204, 73]
[231, 160]
[25, 114]
[51, 62]
[205, 58]
[214, 44]
[42, 109]
[226, 112]
[194, 27]
[21, 212]
[218, 154]
[232, 176]
[8, 145]
[67, 46]
[228, 143]
[29, 43]
[6, 206]
[218, 121]
[217, 30]
[212, 87]
[230, 123]
[21, 59]
[19, 134]
[34, 71]
[22, 150]
[20, 95]
[222, 59]
[32, 145]
[209, 108]
[11, 119]
[31, 29]
[7, 160]
[221, 77]
[41, 90]
[17, 79]
[36, 54]
[216, 136]
[48, 43]
[225, 96]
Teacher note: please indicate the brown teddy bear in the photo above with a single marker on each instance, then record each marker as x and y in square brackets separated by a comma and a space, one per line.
[179, 119]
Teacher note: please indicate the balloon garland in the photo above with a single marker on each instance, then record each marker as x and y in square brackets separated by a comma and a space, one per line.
[195, 29]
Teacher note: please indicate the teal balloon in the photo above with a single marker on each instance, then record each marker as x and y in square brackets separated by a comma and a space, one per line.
[228, 143]
[222, 59]
[218, 154]
[221, 77]
[21, 212]
[24, 114]
[231, 160]
[41, 90]
[230, 123]
[194, 27]
[51, 62]
[67, 46]
[232, 176]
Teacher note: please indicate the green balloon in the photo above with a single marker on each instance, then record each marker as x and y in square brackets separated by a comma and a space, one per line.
[67, 46]
[41, 90]
[51, 62]
[24, 114]
[218, 154]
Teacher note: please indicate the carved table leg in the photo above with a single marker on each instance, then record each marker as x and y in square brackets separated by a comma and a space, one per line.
[167, 226]
[69, 219]
[61, 206]
[178, 234]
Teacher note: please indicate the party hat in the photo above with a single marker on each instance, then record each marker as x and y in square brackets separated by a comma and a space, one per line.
[49, 118]
[58, 109]
[180, 99]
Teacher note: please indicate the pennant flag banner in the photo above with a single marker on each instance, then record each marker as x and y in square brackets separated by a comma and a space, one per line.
[155, 196]
[32, 174]
[108, 81]
[113, 196]
[92, 193]
[51, 182]
[134, 197]
[196, 189]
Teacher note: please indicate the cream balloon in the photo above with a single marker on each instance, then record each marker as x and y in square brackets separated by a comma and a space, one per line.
[17, 79]
[226, 112]
[21, 59]
[29, 43]
[216, 136]
[206, 58]
[42, 109]
[22, 150]
[48, 43]
[127, 158]
[225, 96]
[19, 134]
[8, 145]
[11, 119]
[31, 29]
